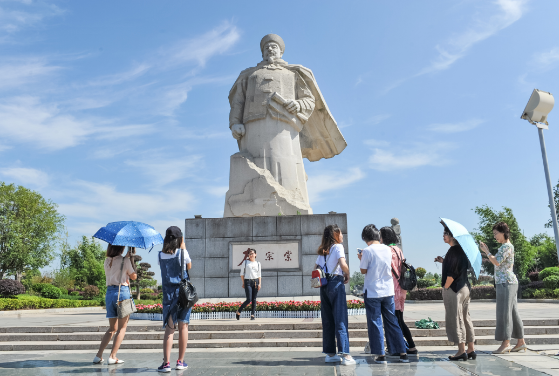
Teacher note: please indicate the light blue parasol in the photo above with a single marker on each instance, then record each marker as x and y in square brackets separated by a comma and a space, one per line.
[467, 243]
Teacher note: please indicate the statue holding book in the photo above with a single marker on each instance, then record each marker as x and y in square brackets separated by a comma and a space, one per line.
[278, 117]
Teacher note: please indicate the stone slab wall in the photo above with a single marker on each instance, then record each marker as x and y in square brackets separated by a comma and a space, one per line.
[208, 243]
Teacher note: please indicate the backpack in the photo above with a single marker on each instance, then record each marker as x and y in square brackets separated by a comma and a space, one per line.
[406, 278]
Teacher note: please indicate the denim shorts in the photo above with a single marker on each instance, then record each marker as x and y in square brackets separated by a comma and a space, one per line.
[111, 299]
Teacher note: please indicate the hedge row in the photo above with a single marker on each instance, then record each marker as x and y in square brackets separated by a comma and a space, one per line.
[42, 303]
[477, 292]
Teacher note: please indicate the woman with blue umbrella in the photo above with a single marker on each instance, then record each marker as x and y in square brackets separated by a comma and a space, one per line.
[456, 294]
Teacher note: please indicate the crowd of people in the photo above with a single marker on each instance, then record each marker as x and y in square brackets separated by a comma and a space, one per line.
[384, 298]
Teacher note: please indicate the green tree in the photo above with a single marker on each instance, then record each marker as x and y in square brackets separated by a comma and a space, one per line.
[145, 276]
[545, 251]
[356, 279]
[29, 229]
[85, 262]
[524, 253]
[549, 223]
[420, 272]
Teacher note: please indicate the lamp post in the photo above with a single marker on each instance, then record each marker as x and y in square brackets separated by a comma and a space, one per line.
[536, 111]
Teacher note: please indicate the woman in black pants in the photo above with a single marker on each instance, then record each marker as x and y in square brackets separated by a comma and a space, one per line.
[390, 239]
[252, 281]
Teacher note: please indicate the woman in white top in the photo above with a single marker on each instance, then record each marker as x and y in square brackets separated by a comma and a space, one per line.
[333, 302]
[116, 279]
[252, 281]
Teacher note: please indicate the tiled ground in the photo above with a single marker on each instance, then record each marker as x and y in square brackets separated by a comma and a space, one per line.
[276, 362]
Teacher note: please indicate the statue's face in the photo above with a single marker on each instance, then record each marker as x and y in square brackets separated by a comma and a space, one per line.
[271, 49]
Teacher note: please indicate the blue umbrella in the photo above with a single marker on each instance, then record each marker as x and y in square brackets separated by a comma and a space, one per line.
[467, 242]
[129, 233]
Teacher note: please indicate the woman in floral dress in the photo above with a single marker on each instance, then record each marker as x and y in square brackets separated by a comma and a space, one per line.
[509, 323]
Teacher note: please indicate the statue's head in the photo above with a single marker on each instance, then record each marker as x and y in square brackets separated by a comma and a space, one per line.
[272, 47]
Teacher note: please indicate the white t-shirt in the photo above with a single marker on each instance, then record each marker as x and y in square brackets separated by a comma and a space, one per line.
[166, 256]
[252, 269]
[336, 253]
[377, 259]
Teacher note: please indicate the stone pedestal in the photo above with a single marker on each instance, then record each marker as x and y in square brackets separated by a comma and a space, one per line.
[211, 241]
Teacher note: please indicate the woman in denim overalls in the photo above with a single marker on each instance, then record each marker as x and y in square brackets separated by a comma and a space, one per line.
[171, 271]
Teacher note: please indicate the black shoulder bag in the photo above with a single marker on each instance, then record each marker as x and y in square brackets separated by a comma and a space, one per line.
[187, 292]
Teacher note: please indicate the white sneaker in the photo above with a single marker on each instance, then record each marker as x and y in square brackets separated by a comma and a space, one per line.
[97, 360]
[332, 359]
[115, 361]
[348, 361]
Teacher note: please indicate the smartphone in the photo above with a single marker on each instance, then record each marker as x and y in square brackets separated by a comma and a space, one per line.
[359, 250]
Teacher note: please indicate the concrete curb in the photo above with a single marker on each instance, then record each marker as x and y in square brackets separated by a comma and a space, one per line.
[49, 310]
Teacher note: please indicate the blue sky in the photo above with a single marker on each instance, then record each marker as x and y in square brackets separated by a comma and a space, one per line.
[119, 111]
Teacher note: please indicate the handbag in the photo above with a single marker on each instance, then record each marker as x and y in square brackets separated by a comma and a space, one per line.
[187, 292]
[126, 307]
[319, 277]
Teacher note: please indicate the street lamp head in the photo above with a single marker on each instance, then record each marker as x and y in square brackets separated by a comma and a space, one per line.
[538, 107]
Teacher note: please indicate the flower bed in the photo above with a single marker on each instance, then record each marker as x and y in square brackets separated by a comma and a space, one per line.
[287, 309]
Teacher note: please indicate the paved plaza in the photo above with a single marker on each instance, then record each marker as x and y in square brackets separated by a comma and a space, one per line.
[292, 361]
[266, 361]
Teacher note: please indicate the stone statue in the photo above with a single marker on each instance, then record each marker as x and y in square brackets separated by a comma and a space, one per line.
[278, 117]
[396, 227]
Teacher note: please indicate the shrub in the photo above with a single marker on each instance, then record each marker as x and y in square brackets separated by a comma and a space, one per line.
[70, 297]
[477, 292]
[42, 303]
[63, 291]
[483, 292]
[547, 272]
[420, 272]
[160, 296]
[90, 292]
[551, 282]
[38, 287]
[10, 287]
[536, 285]
[50, 292]
[75, 293]
[146, 291]
[556, 293]
[528, 293]
[524, 281]
[543, 293]
[424, 283]
[533, 276]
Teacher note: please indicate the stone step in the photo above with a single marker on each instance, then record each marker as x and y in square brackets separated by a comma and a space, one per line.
[207, 325]
[224, 343]
[133, 335]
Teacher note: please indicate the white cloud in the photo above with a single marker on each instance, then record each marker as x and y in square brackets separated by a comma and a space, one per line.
[163, 170]
[548, 59]
[119, 78]
[376, 143]
[103, 202]
[509, 11]
[14, 17]
[200, 49]
[26, 119]
[418, 155]
[18, 72]
[218, 191]
[26, 176]
[455, 127]
[319, 184]
[377, 119]
[458, 46]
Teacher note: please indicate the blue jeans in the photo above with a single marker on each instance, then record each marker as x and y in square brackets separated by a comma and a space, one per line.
[333, 308]
[110, 299]
[377, 311]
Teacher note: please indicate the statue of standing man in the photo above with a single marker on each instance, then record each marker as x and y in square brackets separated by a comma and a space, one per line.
[278, 117]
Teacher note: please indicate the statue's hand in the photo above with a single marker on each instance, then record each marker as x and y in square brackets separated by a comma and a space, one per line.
[238, 131]
[293, 106]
